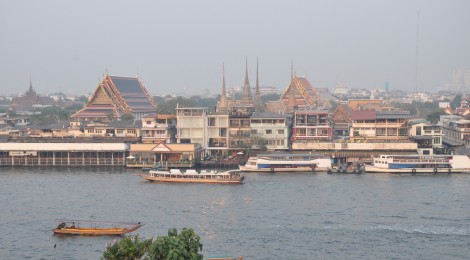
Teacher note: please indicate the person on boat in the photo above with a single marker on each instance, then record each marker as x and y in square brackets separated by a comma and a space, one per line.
[61, 225]
[73, 225]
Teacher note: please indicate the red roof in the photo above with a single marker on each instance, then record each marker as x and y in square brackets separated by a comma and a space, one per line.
[363, 115]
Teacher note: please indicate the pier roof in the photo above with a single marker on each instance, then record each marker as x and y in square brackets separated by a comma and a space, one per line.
[72, 147]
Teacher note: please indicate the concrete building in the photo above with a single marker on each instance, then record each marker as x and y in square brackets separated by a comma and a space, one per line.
[158, 128]
[379, 125]
[217, 132]
[455, 130]
[191, 126]
[311, 125]
[427, 136]
[270, 130]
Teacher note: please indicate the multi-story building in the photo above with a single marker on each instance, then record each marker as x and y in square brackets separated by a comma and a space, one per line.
[379, 125]
[270, 130]
[427, 136]
[239, 127]
[158, 128]
[217, 132]
[341, 120]
[455, 130]
[191, 125]
[311, 125]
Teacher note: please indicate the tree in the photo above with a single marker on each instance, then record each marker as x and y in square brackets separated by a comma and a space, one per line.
[455, 103]
[128, 248]
[434, 117]
[174, 246]
[127, 117]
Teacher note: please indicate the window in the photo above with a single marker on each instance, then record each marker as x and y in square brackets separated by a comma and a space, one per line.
[269, 131]
[211, 122]
[131, 131]
[254, 131]
[280, 132]
[437, 140]
[426, 152]
[223, 132]
[148, 122]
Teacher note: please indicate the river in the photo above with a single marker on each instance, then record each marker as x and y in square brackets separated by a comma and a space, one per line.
[280, 216]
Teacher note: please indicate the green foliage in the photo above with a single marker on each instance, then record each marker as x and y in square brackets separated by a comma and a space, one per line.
[270, 97]
[428, 110]
[455, 103]
[167, 105]
[434, 117]
[174, 246]
[50, 115]
[127, 248]
[83, 99]
[11, 113]
[74, 108]
[127, 117]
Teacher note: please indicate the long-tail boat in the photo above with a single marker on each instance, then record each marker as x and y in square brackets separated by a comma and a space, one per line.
[92, 228]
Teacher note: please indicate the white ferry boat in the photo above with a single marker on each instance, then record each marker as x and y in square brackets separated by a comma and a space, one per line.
[287, 162]
[420, 164]
[192, 176]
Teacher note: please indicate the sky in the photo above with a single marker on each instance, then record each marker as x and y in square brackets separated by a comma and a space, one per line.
[179, 46]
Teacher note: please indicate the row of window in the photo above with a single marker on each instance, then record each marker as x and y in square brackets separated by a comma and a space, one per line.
[119, 131]
[268, 131]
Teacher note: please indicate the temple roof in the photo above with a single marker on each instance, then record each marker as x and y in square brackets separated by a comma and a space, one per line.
[117, 96]
[305, 95]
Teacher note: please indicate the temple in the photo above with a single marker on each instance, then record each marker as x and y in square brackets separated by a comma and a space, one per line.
[115, 97]
[247, 100]
[299, 95]
[30, 101]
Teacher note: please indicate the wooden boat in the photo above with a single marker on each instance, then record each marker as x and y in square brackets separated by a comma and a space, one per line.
[192, 176]
[420, 164]
[287, 162]
[75, 227]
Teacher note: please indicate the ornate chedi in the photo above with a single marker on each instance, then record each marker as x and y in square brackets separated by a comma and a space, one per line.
[246, 100]
[257, 100]
[222, 106]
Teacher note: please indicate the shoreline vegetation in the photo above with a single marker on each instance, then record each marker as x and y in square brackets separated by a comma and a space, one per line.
[174, 246]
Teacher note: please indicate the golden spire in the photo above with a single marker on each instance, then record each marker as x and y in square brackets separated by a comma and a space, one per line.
[223, 103]
[246, 98]
[257, 100]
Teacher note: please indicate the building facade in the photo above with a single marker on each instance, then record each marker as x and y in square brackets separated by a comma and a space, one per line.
[270, 130]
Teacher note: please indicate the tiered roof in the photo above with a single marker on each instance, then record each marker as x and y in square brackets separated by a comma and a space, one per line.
[305, 95]
[117, 96]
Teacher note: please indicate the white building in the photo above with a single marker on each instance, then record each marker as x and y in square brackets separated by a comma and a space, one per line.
[271, 128]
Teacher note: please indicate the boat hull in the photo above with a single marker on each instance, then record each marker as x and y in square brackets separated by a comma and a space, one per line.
[374, 169]
[95, 231]
[283, 169]
[195, 180]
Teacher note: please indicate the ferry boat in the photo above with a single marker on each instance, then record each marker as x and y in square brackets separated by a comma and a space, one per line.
[90, 228]
[192, 176]
[287, 162]
[420, 164]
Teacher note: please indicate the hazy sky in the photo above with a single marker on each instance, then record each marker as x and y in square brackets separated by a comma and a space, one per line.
[179, 46]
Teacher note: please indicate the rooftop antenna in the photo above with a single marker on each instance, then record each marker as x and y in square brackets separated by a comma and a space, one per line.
[417, 48]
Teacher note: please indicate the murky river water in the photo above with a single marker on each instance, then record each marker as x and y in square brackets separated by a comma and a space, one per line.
[283, 216]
